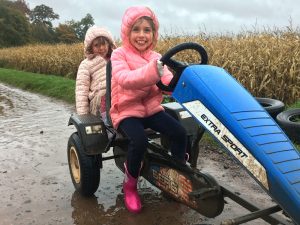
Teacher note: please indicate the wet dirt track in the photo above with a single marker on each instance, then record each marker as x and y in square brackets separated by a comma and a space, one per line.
[36, 187]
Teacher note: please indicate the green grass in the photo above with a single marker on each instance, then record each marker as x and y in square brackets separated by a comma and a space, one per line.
[295, 105]
[48, 85]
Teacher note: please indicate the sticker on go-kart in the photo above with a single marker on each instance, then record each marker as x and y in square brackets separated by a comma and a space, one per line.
[212, 124]
[184, 114]
[174, 183]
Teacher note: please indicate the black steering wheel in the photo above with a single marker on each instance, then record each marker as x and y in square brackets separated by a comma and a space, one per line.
[178, 66]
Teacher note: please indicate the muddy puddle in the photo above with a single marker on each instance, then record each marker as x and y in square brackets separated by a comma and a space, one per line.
[36, 187]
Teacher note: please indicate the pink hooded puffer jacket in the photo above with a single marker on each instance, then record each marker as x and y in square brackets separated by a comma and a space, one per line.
[134, 74]
[91, 75]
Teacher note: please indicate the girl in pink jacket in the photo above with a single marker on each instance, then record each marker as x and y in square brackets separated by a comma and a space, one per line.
[136, 100]
[91, 76]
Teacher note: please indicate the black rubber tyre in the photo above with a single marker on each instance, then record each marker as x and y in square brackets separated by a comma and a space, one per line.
[272, 106]
[289, 121]
[84, 169]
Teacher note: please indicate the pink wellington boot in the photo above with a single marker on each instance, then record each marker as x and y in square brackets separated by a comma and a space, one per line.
[131, 197]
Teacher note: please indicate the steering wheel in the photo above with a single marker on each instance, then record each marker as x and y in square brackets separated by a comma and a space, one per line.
[178, 66]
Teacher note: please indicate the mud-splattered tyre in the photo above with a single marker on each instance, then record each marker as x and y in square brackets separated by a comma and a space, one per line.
[272, 106]
[84, 169]
[289, 121]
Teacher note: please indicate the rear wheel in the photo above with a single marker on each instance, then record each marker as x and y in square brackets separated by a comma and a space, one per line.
[289, 121]
[84, 169]
[272, 106]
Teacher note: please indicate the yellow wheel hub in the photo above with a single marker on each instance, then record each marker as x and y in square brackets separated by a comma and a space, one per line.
[74, 164]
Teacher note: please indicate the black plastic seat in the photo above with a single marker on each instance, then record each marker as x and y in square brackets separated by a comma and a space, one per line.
[108, 93]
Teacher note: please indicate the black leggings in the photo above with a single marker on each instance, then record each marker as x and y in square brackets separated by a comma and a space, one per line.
[134, 129]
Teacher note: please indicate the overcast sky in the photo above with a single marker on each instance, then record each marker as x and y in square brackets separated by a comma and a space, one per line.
[184, 16]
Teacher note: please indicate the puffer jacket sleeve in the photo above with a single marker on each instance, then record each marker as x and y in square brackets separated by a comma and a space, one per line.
[82, 89]
[167, 76]
[144, 76]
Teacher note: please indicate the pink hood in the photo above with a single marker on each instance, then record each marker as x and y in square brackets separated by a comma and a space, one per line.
[131, 15]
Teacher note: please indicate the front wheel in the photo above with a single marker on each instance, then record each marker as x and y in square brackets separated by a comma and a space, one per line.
[84, 169]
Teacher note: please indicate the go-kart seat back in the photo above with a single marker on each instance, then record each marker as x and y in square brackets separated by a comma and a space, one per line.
[108, 93]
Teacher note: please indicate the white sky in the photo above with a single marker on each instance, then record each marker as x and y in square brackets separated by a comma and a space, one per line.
[184, 16]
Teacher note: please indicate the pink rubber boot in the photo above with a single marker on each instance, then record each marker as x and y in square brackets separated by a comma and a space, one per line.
[131, 197]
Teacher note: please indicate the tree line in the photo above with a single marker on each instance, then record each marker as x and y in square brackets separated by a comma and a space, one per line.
[20, 25]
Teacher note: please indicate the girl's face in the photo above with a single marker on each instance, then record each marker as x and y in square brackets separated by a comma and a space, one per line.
[100, 48]
[141, 35]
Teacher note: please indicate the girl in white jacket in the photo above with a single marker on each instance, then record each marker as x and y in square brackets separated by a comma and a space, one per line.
[91, 76]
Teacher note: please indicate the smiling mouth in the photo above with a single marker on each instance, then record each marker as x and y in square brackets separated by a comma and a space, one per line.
[141, 42]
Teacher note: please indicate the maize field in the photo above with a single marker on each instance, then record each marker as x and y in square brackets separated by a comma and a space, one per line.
[267, 64]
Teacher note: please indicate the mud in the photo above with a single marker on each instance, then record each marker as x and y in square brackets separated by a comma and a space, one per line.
[36, 187]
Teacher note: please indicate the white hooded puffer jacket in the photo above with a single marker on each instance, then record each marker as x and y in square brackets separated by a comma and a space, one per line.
[91, 75]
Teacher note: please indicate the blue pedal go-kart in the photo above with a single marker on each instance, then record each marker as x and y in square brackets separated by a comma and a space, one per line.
[207, 99]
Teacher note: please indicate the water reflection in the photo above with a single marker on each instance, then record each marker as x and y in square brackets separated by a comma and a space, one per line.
[87, 211]
[157, 210]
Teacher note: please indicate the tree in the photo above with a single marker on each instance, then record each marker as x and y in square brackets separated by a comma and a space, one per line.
[21, 6]
[42, 33]
[42, 29]
[66, 34]
[82, 26]
[14, 26]
[19, 25]
[43, 14]
[85, 23]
